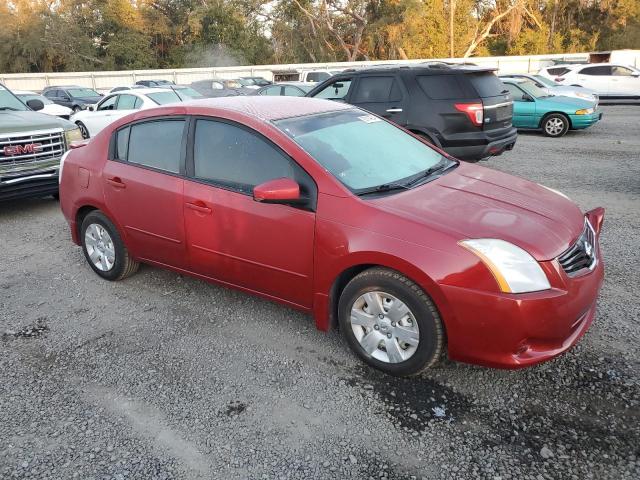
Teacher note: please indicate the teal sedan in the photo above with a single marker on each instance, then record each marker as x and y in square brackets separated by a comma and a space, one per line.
[535, 109]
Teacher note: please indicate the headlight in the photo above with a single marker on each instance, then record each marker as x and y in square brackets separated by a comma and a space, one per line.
[514, 269]
[584, 111]
[72, 135]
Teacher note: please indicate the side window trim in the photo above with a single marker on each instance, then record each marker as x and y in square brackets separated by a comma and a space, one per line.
[113, 144]
[190, 163]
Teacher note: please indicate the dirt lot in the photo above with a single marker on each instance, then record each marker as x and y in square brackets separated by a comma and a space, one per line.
[163, 376]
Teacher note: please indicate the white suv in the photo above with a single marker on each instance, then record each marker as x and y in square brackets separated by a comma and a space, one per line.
[606, 79]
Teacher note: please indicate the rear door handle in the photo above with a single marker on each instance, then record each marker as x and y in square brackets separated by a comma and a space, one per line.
[116, 182]
[198, 207]
[394, 110]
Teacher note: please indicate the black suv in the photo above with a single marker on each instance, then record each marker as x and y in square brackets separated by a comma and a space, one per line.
[465, 110]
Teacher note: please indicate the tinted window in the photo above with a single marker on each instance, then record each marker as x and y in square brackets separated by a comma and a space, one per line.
[293, 92]
[109, 103]
[127, 102]
[622, 71]
[377, 89]
[122, 143]
[441, 87]
[83, 92]
[602, 70]
[51, 93]
[557, 70]
[162, 98]
[157, 144]
[235, 157]
[486, 84]
[336, 90]
[317, 76]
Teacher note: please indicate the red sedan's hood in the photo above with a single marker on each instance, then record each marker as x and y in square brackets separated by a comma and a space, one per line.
[476, 202]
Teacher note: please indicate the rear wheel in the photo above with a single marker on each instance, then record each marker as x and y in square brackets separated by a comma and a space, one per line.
[104, 249]
[555, 125]
[390, 322]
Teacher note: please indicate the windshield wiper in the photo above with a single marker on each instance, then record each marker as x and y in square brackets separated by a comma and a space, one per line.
[441, 165]
[385, 187]
[9, 108]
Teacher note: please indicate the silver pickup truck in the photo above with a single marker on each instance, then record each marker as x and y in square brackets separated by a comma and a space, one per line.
[31, 145]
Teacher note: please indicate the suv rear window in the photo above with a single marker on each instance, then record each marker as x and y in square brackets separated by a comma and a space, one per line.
[601, 70]
[441, 87]
[487, 84]
[557, 70]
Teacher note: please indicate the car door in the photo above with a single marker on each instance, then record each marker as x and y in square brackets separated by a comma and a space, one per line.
[64, 99]
[266, 248]
[624, 81]
[102, 116]
[596, 78]
[382, 95]
[126, 104]
[524, 110]
[143, 189]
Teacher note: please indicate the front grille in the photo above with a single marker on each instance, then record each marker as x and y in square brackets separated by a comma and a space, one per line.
[30, 152]
[581, 255]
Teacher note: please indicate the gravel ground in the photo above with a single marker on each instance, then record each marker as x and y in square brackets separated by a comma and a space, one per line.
[163, 376]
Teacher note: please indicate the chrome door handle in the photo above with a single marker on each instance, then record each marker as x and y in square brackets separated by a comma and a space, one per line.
[394, 110]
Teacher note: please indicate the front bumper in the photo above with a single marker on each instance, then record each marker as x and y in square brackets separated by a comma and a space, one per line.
[39, 184]
[583, 121]
[518, 330]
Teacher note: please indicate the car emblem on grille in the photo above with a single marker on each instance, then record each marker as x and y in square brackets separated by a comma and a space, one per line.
[588, 249]
[12, 150]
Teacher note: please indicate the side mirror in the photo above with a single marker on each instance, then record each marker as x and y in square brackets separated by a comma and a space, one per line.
[91, 108]
[35, 104]
[527, 98]
[280, 190]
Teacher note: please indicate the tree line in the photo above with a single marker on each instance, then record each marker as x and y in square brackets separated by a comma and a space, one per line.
[88, 35]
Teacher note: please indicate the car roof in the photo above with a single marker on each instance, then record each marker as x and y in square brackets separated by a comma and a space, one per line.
[24, 92]
[428, 68]
[142, 91]
[271, 108]
[514, 80]
[65, 86]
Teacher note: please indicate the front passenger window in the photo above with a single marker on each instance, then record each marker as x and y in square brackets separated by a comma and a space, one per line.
[108, 104]
[337, 90]
[516, 94]
[234, 157]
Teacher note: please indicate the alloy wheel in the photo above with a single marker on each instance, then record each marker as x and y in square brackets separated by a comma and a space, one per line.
[99, 247]
[554, 126]
[385, 327]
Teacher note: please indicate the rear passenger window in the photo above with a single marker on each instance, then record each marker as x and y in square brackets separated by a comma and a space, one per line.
[557, 70]
[156, 144]
[376, 90]
[441, 87]
[122, 143]
[237, 158]
[127, 102]
[486, 84]
[602, 70]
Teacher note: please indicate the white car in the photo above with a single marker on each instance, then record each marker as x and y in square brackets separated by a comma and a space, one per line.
[50, 108]
[554, 88]
[117, 105]
[606, 79]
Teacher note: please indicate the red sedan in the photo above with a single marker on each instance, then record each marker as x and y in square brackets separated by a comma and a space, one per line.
[336, 212]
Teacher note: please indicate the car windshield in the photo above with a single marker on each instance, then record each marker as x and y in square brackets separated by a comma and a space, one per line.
[25, 97]
[246, 82]
[361, 150]
[533, 90]
[82, 92]
[188, 92]
[545, 81]
[162, 98]
[8, 101]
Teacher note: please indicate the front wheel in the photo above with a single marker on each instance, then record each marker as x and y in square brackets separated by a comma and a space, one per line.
[104, 249]
[555, 125]
[390, 322]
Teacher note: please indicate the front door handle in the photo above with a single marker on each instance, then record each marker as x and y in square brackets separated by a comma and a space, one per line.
[116, 182]
[198, 206]
[394, 110]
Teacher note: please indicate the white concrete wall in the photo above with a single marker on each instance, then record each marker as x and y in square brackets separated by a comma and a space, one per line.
[106, 80]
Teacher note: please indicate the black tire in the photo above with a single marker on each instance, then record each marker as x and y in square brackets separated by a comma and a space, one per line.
[76, 108]
[84, 131]
[550, 125]
[123, 266]
[431, 339]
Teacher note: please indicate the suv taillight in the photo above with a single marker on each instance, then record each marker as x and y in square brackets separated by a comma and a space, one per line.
[474, 111]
